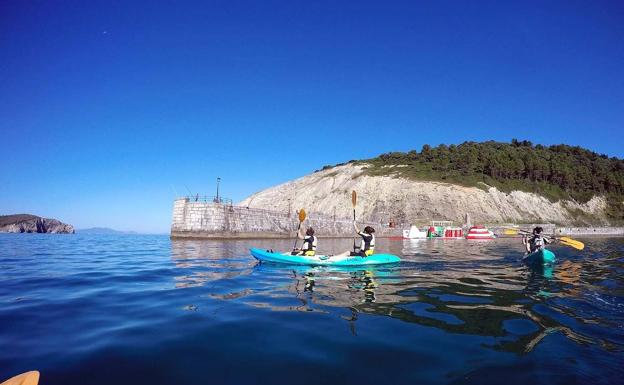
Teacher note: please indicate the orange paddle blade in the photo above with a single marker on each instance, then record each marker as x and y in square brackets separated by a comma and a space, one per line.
[572, 243]
[28, 378]
[353, 198]
[302, 215]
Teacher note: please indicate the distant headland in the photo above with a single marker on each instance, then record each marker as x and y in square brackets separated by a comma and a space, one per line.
[28, 223]
[104, 231]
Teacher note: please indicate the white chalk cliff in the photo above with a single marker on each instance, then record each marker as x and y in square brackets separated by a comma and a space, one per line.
[385, 198]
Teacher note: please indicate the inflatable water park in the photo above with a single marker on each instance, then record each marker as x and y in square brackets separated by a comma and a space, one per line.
[446, 230]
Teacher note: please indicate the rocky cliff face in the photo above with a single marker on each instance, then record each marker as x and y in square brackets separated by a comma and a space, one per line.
[385, 198]
[26, 223]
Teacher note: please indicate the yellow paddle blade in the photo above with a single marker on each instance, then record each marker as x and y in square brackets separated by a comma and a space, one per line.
[353, 198]
[302, 215]
[28, 378]
[515, 230]
[572, 243]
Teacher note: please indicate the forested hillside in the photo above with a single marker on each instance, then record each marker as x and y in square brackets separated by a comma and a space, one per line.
[557, 172]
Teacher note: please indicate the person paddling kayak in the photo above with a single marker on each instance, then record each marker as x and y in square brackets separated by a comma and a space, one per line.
[367, 245]
[536, 241]
[309, 243]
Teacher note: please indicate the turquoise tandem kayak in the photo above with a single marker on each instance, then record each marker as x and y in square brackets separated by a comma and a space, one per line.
[323, 260]
[540, 257]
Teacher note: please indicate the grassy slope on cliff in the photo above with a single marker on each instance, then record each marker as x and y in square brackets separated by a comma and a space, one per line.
[556, 172]
[16, 218]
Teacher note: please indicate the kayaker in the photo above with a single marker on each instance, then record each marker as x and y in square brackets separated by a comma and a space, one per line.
[367, 245]
[536, 241]
[309, 243]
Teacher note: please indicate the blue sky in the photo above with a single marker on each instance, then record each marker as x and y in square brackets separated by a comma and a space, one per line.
[110, 109]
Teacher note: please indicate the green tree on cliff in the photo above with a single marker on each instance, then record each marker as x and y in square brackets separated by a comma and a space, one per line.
[558, 171]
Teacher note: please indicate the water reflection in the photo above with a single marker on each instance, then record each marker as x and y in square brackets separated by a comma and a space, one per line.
[459, 287]
[199, 262]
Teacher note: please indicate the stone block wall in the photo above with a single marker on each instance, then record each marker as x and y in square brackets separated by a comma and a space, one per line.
[591, 231]
[216, 220]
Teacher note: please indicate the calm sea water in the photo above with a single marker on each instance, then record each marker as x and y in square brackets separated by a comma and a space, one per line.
[147, 310]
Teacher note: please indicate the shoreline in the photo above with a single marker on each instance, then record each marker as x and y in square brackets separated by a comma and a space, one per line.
[207, 219]
[583, 232]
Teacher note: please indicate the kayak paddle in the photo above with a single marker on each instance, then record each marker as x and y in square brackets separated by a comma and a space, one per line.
[567, 241]
[353, 202]
[28, 378]
[302, 217]
[571, 242]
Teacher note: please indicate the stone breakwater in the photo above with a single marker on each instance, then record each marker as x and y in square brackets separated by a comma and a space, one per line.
[216, 220]
[200, 219]
[591, 231]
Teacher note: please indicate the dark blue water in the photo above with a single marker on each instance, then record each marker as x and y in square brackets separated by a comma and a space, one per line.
[143, 309]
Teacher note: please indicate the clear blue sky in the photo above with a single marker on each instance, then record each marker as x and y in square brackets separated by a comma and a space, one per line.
[108, 108]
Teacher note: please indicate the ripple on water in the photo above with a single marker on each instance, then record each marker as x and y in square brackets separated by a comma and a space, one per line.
[144, 309]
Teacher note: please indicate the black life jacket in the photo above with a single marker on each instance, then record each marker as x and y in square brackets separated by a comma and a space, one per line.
[537, 242]
[368, 241]
[309, 243]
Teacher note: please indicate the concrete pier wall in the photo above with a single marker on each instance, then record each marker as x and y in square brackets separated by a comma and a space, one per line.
[193, 219]
[591, 231]
[207, 219]
[551, 229]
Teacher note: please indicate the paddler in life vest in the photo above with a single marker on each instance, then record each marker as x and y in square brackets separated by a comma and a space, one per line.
[367, 245]
[309, 243]
[536, 241]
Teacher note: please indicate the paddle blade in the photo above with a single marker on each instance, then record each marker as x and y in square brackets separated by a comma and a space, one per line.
[510, 232]
[572, 243]
[28, 378]
[302, 215]
[353, 198]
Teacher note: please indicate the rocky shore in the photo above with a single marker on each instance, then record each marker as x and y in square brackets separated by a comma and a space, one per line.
[27, 223]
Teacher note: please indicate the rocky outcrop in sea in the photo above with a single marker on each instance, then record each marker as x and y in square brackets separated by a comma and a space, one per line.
[27, 223]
